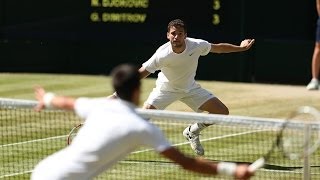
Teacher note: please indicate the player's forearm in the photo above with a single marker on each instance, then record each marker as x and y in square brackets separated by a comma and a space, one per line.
[192, 164]
[226, 48]
[222, 168]
[59, 102]
[204, 166]
[201, 166]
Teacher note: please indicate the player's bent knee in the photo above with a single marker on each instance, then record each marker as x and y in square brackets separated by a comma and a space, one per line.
[220, 110]
[225, 111]
[215, 106]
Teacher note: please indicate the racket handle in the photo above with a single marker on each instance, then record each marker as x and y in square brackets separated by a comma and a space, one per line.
[257, 164]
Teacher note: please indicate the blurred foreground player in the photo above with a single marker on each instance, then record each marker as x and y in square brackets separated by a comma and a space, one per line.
[111, 131]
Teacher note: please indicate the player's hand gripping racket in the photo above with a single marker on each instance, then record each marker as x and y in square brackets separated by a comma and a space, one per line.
[73, 133]
[295, 140]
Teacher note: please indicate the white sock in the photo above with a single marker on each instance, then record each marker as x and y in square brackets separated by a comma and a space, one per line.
[197, 127]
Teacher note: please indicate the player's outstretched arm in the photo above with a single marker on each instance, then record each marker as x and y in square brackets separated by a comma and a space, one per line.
[229, 48]
[48, 100]
[200, 165]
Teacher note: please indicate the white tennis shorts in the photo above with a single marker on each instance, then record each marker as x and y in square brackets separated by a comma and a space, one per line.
[194, 98]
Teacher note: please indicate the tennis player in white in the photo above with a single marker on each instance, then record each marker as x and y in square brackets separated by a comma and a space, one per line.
[112, 130]
[178, 62]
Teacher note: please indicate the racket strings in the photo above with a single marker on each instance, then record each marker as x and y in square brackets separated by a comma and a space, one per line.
[299, 141]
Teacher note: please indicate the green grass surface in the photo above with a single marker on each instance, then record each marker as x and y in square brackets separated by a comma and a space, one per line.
[27, 137]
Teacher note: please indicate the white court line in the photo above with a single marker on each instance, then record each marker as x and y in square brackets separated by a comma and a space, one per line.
[15, 174]
[208, 139]
[26, 142]
[31, 141]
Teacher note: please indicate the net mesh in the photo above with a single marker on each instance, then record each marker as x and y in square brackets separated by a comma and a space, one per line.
[28, 136]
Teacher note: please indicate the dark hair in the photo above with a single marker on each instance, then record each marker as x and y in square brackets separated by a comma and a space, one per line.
[125, 79]
[177, 22]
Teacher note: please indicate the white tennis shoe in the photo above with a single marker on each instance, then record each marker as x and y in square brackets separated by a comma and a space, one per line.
[313, 84]
[194, 140]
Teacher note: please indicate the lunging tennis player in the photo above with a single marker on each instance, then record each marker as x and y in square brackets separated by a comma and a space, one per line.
[178, 61]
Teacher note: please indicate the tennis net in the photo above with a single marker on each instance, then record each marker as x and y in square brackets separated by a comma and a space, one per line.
[28, 136]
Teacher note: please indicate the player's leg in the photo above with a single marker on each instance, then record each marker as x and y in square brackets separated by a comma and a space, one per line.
[214, 106]
[315, 66]
[314, 83]
[201, 100]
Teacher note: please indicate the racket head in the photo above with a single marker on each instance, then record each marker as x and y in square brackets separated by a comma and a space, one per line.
[301, 134]
[290, 138]
[73, 132]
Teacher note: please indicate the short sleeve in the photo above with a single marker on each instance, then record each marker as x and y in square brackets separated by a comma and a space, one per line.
[152, 65]
[156, 139]
[205, 47]
[83, 107]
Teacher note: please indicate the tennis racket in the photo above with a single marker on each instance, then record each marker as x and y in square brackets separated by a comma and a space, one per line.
[73, 133]
[296, 138]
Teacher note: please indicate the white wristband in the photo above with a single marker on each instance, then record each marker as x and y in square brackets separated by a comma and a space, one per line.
[226, 168]
[47, 98]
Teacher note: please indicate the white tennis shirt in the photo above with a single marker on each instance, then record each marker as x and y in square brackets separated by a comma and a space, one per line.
[178, 71]
[112, 130]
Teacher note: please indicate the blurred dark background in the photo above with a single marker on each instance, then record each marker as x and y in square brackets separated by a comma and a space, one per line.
[93, 36]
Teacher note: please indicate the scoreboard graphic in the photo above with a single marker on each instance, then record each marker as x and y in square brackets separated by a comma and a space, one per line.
[221, 20]
[137, 20]
[72, 32]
